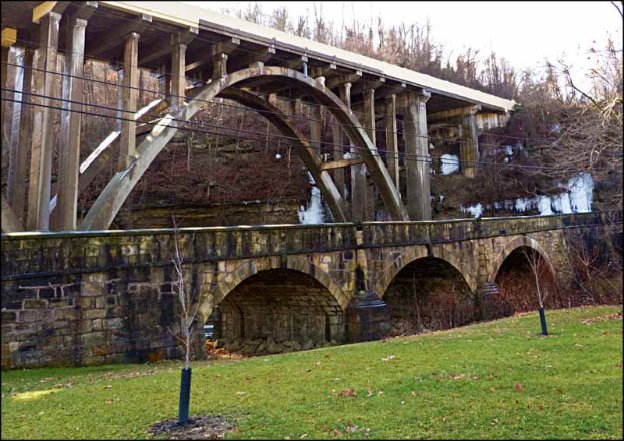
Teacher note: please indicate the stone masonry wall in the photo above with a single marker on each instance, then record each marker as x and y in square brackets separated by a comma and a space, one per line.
[103, 297]
[96, 318]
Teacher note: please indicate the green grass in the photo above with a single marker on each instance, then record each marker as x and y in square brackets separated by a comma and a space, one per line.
[459, 383]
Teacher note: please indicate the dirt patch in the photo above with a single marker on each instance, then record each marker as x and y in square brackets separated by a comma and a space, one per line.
[602, 318]
[197, 427]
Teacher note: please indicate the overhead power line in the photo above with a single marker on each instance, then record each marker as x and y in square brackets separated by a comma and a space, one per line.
[405, 156]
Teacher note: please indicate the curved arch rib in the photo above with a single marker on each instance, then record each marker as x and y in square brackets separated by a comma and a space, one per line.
[108, 203]
[278, 119]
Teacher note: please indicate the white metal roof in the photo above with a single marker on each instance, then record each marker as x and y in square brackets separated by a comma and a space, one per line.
[189, 15]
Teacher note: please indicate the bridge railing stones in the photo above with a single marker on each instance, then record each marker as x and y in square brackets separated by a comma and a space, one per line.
[26, 255]
[383, 234]
[52, 254]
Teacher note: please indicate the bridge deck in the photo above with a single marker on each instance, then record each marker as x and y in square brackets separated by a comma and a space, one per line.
[205, 20]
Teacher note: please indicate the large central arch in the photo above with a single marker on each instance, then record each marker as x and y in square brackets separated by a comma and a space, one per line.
[111, 199]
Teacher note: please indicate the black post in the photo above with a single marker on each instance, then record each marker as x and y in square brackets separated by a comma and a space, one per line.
[543, 321]
[185, 396]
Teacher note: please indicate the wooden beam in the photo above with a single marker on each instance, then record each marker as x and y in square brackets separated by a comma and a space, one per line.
[42, 141]
[341, 163]
[69, 155]
[105, 41]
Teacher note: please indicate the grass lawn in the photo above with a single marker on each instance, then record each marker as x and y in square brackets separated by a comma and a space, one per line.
[489, 380]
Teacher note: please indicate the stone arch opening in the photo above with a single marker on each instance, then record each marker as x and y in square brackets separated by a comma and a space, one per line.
[279, 310]
[517, 284]
[429, 294]
[110, 200]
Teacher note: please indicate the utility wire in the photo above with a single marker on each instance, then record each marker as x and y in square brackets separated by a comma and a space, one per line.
[292, 115]
[405, 156]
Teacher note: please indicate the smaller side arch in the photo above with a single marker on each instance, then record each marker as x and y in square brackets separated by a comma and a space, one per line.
[511, 246]
[227, 284]
[410, 256]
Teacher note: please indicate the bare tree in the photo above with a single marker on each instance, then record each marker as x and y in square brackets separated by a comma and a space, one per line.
[188, 313]
[536, 265]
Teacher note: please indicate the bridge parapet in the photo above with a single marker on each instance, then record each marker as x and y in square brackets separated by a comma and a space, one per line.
[28, 254]
[45, 253]
[377, 234]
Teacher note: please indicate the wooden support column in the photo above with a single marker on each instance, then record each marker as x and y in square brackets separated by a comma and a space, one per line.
[392, 140]
[178, 78]
[42, 141]
[69, 155]
[469, 143]
[416, 155]
[369, 125]
[17, 180]
[130, 95]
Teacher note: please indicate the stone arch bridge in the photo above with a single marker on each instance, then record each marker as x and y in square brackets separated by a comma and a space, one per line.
[107, 296]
